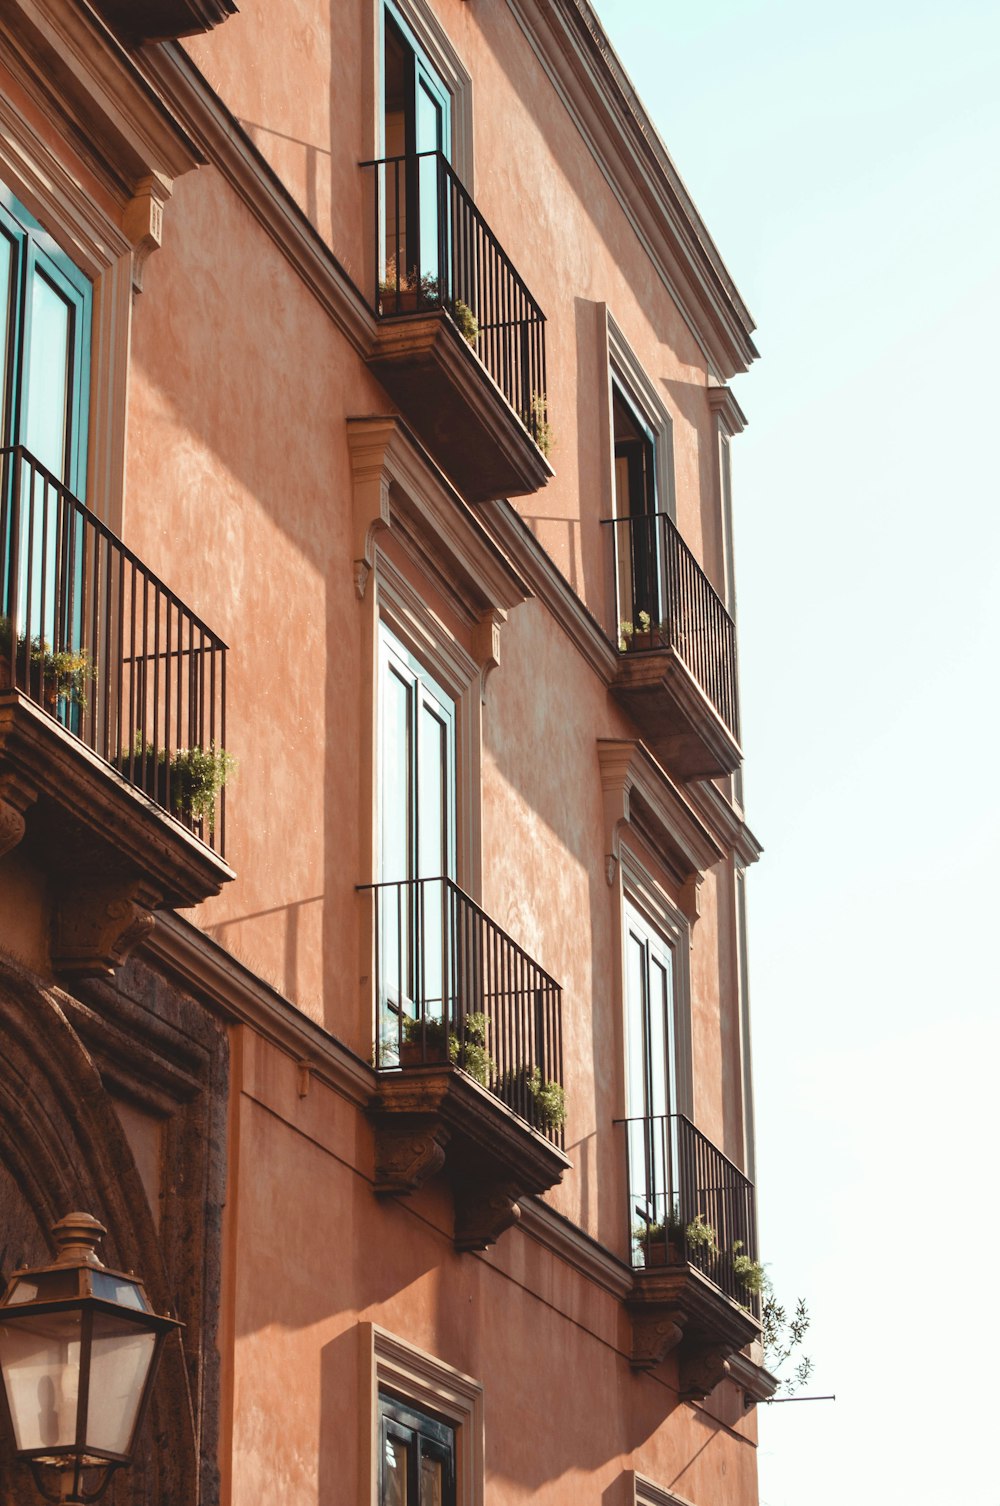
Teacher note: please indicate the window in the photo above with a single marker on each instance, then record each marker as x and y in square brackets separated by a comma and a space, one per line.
[651, 1067]
[45, 312]
[416, 1457]
[417, 842]
[441, 1409]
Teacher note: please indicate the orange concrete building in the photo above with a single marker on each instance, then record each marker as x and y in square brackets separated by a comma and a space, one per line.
[372, 918]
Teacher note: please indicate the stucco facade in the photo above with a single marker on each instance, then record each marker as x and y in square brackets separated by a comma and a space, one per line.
[322, 486]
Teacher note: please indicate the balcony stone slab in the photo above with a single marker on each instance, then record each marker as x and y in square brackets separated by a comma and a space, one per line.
[435, 1120]
[676, 718]
[677, 1308]
[110, 856]
[163, 20]
[450, 400]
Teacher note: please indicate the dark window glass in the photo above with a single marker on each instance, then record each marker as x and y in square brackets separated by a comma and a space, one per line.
[417, 1457]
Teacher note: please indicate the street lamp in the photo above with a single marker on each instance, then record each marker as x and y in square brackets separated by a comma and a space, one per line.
[79, 1345]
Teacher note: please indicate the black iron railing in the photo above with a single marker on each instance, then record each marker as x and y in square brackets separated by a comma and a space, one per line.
[687, 1199]
[451, 986]
[433, 249]
[657, 577]
[96, 640]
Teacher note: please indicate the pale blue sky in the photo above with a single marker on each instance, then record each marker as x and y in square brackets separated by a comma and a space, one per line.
[846, 164]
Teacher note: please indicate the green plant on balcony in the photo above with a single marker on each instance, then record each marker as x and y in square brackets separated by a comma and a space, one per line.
[548, 1097]
[700, 1235]
[407, 291]
[196, 775]
[466, 320]
[539, 426]
[643, 633]
[748, 1271]
[53, 674]
[429, 1041]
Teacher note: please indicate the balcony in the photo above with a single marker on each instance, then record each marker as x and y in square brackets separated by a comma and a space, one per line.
[461, 341]
[138, 21]
[112, 725]
[693, 1238]
[677, 679]
[469, 1058]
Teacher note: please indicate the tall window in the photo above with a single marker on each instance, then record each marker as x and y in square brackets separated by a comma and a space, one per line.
[416, 121]
[416, 1458]
[637, 509]
[417, 837]
[651, 1068]
[45, 312]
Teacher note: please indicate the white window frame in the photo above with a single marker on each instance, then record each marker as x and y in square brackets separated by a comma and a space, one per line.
[436, 45]
[639, 889]
[392, 1364]
[399, 606]
[624, 367]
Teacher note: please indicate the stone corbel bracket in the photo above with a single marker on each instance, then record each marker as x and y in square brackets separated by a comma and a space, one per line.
[637, 789]
[432, 1120]
[142, 221]
[675, 1310]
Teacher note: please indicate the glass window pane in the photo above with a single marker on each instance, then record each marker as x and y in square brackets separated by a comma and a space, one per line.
[395, 1471]
[120, 1361]
[49, 361]
[41, 1361]
[431, 1481]
[395, 763]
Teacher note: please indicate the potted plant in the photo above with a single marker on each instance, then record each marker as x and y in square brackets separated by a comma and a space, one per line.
[700, 1237]
[652, 1240]
[538, 424]
[407, 292]
[525, 1088]
[425, 1042]
[641, 634]
[53, 674]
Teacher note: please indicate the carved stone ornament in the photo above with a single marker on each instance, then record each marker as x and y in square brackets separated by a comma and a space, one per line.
[483, 1213]
[408, 1155]
[98, 923]
[702, 1369]
[15, 798]
[653, 1338]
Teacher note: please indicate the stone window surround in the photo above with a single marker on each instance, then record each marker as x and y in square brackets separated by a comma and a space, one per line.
[390, 1363]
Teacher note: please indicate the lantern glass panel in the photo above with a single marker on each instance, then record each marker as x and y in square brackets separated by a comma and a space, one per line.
[121, 1357]
[40, 1355]
[112, 1288]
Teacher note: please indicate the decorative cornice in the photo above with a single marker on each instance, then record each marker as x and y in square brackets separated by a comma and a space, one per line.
[577, 1249]
[724, 820]
[67, 54]
[724, 405]
[757, 1383]
[601, 100]
[225, 984]
[398, 488]
[227, 146]
[547, 582]
[637, 789]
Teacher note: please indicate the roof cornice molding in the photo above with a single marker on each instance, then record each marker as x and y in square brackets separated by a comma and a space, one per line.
[725, 407]
[238, 994]
[639, 793]
[725, 821]
[227, 146]
[603, 104]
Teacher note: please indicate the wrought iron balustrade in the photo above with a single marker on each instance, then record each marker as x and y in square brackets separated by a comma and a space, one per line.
[656, 574]
[100, 643]
[676, 1178]
[434, 250]
[453, 987]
